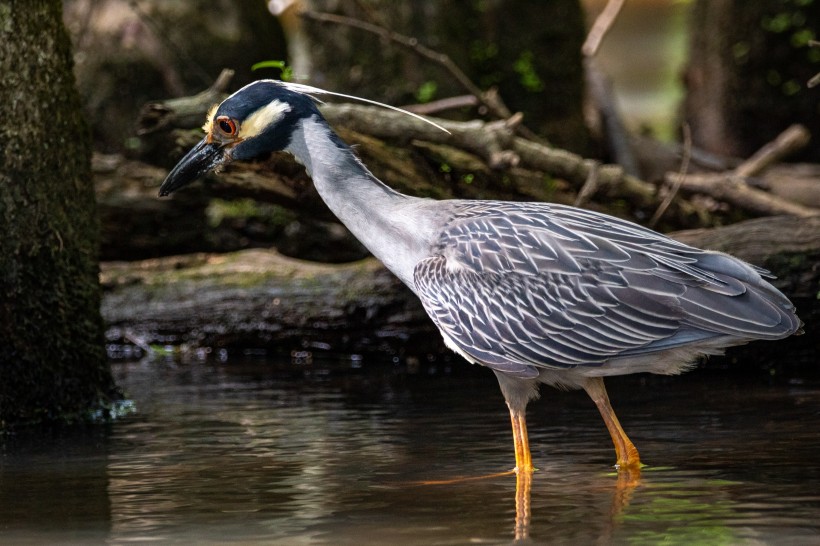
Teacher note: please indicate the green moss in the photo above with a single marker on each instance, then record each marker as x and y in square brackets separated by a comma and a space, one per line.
[790, 268]
[550, 186]
[791, 87]
[220, 210]
[426, 91]
[525, 67]
[740, 51]
[802, 37]
[780, 22]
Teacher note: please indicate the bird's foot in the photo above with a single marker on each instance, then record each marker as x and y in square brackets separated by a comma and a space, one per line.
[524, 469]
[629, 473]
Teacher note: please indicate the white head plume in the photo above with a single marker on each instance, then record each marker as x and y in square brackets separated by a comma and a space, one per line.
[310, 90]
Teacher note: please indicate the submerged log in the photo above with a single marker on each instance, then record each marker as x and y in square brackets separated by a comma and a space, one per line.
[258, 298]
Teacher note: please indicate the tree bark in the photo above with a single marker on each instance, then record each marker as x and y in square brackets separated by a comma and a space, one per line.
[52, 360]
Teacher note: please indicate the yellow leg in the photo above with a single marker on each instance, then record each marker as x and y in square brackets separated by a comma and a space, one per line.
[523, 458]
[627, 455]
[523, 472]
[523, 511]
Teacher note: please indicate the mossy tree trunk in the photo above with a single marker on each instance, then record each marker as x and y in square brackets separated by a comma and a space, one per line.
[52, 360]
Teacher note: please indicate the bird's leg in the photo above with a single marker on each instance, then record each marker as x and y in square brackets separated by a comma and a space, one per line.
[625, 450]
[523, 510]
[523, 458]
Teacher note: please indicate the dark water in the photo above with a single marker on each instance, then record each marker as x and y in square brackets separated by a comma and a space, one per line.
[266, 452]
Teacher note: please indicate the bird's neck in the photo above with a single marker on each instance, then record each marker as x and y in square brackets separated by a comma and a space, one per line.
[373, 212]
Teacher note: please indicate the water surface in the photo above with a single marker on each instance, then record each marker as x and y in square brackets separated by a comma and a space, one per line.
[268, 451]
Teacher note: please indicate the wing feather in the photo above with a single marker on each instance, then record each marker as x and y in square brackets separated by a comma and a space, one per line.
[522, 286]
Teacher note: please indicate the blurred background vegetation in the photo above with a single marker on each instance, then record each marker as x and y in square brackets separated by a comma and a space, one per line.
[674, 83]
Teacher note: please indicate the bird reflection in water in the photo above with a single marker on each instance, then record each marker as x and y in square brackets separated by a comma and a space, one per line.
[626, 482]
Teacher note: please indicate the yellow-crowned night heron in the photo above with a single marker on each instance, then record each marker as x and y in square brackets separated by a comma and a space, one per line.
[537, 292]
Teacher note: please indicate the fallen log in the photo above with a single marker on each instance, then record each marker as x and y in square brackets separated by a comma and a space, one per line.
[788, 246]
[258, 298]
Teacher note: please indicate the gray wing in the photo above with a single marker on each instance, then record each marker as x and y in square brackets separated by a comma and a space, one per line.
[519, 286]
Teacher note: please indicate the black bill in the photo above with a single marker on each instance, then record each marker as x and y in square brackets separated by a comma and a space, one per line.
[202, 158]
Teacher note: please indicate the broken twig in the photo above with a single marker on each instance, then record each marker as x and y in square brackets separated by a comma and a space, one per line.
[684, 168]
[731, 186]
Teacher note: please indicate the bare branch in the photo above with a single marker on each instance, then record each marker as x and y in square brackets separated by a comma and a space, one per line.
[590, 184]
[816, 78]
[684, 168]
[732, 186]
[616, 134]
[183, 112]
[789, 141]
[488, 99]
[731, 189]
[441, 105]
[601, 26]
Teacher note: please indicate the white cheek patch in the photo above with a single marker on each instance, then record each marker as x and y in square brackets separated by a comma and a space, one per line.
[263, 118]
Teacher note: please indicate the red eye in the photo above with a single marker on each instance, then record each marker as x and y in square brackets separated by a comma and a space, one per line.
[226, 125]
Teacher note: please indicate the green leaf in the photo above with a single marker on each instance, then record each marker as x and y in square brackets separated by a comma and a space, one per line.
[286, 74]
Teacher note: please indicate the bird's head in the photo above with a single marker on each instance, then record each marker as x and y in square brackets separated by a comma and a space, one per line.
[254, 121]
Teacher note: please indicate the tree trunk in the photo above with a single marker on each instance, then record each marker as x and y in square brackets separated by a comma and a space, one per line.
[749, 64]
[52, 360]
